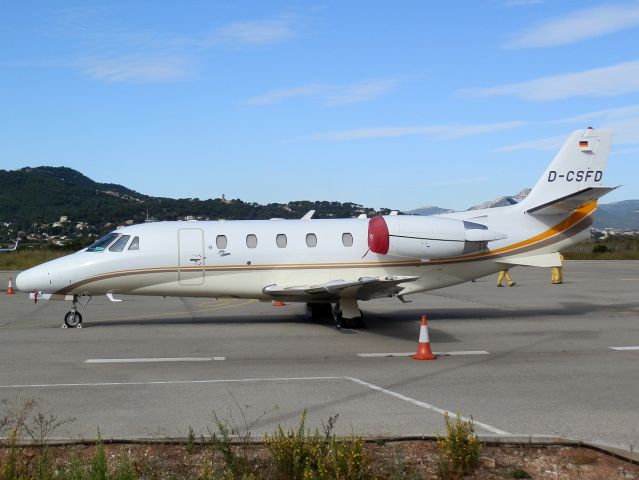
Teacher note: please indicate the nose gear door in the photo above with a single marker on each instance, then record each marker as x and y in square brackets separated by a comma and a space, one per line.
[191, 261]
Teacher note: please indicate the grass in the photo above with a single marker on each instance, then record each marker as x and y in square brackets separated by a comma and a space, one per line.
[614, 247]
[23, 259]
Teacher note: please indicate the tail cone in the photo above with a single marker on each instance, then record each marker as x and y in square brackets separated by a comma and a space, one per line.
[423, 348]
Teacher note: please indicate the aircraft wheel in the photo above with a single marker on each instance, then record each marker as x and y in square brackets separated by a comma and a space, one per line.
[342, 321]
[72, 319]
[356, 322]
[318, 311]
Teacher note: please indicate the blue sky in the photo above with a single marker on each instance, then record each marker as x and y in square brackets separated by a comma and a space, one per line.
[387, 104]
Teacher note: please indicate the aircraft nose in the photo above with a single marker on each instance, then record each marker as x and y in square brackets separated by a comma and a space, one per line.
[29, 280]
[48, 277]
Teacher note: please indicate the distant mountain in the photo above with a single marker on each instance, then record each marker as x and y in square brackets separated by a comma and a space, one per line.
[428, 210]
[622, 215]
[32, 198]
[503, 201]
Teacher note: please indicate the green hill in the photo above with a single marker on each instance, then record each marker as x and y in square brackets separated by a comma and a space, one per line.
[41, 195]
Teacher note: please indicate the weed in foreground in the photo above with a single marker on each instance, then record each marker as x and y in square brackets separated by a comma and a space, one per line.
[99, 469]
[239, 430]
[459, 450]
[300, 454]
[519, 473]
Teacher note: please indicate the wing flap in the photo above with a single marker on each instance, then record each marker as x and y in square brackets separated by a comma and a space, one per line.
[363, 288]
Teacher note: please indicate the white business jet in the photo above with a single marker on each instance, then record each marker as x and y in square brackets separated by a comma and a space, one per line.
[333, 264]
[11, 249]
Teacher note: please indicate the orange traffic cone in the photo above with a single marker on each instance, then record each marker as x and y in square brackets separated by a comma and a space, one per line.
[10, 290]
[278, 303]
[423, 348]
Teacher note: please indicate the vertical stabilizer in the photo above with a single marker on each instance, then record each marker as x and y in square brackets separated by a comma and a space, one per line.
[579, 165]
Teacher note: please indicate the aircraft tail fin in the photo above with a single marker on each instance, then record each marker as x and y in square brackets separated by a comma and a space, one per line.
[575, 174]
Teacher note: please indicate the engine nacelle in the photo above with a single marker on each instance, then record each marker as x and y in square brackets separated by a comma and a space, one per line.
[427, 237]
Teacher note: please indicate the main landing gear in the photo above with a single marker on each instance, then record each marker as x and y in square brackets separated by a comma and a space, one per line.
[345, 313]
[73, 318]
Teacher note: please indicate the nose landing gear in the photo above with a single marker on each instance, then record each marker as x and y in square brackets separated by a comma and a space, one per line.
[73, 318]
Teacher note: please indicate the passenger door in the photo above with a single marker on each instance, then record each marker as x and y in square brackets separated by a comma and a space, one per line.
[191, 259]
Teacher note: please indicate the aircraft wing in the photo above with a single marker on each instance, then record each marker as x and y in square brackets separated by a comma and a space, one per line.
[570, 202]
[363, 288]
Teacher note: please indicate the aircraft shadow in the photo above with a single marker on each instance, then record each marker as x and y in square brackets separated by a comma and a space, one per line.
[401, 324]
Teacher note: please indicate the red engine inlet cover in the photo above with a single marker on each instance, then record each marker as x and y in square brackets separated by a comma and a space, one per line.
[378, 238]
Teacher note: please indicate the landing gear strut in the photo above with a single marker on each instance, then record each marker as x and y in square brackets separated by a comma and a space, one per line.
[73, 318]
[346, 313]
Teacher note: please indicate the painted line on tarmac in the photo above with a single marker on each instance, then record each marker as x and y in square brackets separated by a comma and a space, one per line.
[439, 354]
[357, 381]
[151, 360]
[427, 406]
[168, 382]
[624, 348]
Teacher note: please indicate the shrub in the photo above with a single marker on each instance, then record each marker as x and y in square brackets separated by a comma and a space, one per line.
[459, 450]
[300, 454]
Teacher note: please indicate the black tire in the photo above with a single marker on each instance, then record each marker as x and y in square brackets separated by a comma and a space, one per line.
[318, 311]
[356, 322]
[351, 323]
[72, 319]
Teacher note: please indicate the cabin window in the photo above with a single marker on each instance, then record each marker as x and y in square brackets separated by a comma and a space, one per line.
[135, 244]
[221, 242]
[280, 240]
[251, 241]
[347, 239]
[311, 240]
[120, 244]
[101, 244]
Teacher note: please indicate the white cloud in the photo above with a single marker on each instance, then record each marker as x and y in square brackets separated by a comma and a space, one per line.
[623, 121]
[256, 32]
[619, 79]
[441, 132]
[142, 56]
[579, 25]
[359, 92]
[550, 143]
[136, 69]
[602, 115]
[329, 95]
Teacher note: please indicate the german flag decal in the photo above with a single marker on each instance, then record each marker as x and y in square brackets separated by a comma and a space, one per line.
[583, 143]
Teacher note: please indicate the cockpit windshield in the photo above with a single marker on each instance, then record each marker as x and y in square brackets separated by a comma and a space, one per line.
[103, 243]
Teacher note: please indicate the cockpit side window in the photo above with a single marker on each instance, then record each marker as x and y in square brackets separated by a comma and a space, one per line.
[119, 245]
[101, 244]
[135, 244]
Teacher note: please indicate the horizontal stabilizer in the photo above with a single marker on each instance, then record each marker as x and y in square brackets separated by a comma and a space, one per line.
[570, 202]
[363, 288]
[542, 260]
